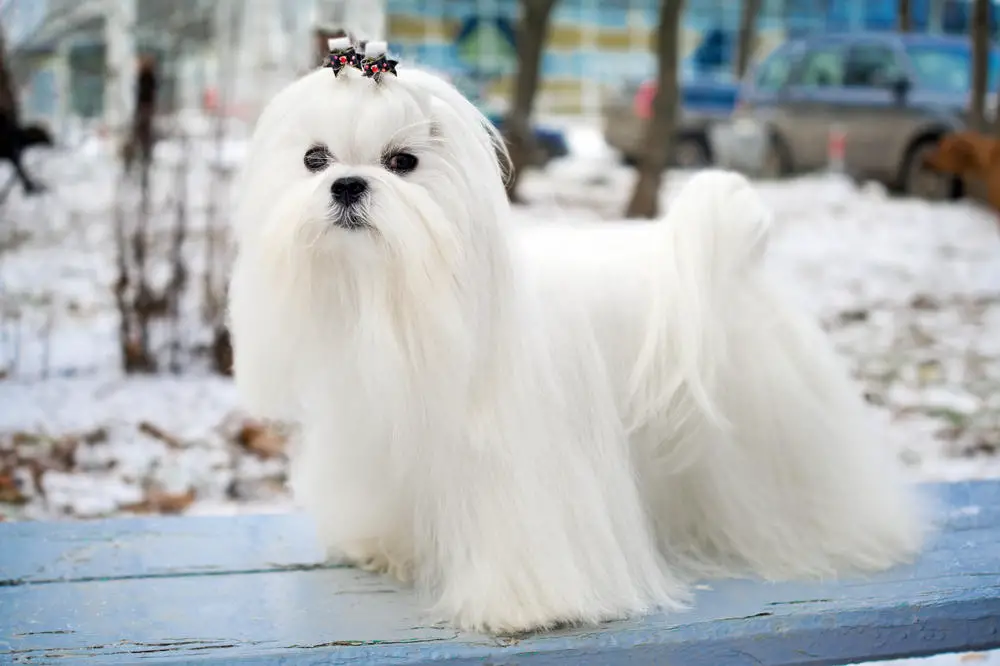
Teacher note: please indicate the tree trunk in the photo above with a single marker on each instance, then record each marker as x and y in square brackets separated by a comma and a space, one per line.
[904, 17]
[321, 36]
[532, 31]
[747, 36]
[996, 114]
[980, 29]
[935, 20]
[659, 132]
[8, 95]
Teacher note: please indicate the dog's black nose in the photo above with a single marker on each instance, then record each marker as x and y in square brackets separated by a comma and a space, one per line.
[347, 191]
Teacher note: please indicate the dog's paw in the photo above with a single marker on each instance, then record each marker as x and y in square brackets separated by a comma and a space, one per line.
[381, 563]
[518, 620]
[507, 614]
[368, 556]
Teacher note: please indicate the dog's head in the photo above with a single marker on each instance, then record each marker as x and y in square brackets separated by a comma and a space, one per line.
[399, 173]
[964, 153]
[35, 135]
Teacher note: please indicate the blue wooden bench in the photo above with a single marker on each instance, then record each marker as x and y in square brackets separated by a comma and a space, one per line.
[253, 590]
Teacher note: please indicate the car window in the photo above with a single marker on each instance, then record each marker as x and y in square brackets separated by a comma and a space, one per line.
[822, 66]
[773, 72]
[871, 66]
[947, 68]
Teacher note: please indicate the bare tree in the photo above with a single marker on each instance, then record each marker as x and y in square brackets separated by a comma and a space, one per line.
[904, 16]
[935, 18]
[979, 27]
[8, 97]
[747, 36]
[661, 127]
[134, 298]
[141, 136]
[532, 31]
[217, 247]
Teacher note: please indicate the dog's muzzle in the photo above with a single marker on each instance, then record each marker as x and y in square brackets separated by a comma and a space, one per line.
[348, 196]
[348, 191]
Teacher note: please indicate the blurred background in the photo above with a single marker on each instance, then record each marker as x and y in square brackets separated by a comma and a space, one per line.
[122, 122]
[60, 49]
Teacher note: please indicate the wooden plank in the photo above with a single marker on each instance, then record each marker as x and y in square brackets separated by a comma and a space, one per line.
[948, 601]
[41, 552]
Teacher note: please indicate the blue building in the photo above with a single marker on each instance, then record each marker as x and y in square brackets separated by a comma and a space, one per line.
[596, 44]
[593, 46]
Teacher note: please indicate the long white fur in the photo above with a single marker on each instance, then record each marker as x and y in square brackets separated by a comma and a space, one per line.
[539, 427]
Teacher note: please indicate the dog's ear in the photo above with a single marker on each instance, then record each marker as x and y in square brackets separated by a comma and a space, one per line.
[941, 158]
[956, 153]
[982, 149]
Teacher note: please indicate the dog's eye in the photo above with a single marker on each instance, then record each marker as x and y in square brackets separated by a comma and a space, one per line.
[401, 163]
[317, 158]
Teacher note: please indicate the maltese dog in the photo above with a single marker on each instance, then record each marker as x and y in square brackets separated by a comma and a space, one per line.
[536, 426]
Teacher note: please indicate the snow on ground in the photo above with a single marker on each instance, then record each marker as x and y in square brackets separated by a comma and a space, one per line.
[909, 291]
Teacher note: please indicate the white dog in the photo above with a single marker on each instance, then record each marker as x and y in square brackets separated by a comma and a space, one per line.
[536, 427]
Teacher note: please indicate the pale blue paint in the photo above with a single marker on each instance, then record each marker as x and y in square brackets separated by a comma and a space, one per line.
[251, 590]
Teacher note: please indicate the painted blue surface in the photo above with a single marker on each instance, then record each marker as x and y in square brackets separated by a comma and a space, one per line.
[709, 96]
[51, 552]
[252, 590]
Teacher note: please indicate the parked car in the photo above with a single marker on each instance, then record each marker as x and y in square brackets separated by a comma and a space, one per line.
[892, 95]
[550, 142]
[702, 103]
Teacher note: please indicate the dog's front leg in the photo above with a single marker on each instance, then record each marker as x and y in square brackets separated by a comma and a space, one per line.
[515, 531]
[345, 483]
[29, 185]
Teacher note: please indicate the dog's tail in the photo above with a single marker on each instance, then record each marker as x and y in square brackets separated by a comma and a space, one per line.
[715, 231]
[759, 447]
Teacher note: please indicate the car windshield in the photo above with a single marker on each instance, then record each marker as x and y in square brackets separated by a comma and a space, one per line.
[773, 71]
[946, 68]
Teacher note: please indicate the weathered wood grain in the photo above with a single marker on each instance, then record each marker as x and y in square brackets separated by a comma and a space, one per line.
[247, 590]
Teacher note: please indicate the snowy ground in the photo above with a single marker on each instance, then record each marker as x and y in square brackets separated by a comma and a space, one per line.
[909, 291]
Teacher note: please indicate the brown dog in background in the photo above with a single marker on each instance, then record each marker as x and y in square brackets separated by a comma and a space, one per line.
[972, 155]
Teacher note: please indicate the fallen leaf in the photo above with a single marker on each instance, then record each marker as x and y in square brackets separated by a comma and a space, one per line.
[983, 445]
[10, 491]
[158, 501]
[158, 433]
[261, 440]
[924, 302]
[22, 438]
[853, 316]
[63, 455]
[95, 436]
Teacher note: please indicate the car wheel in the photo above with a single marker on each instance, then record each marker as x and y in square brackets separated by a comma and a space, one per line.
[692, 152]
[921, 182]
